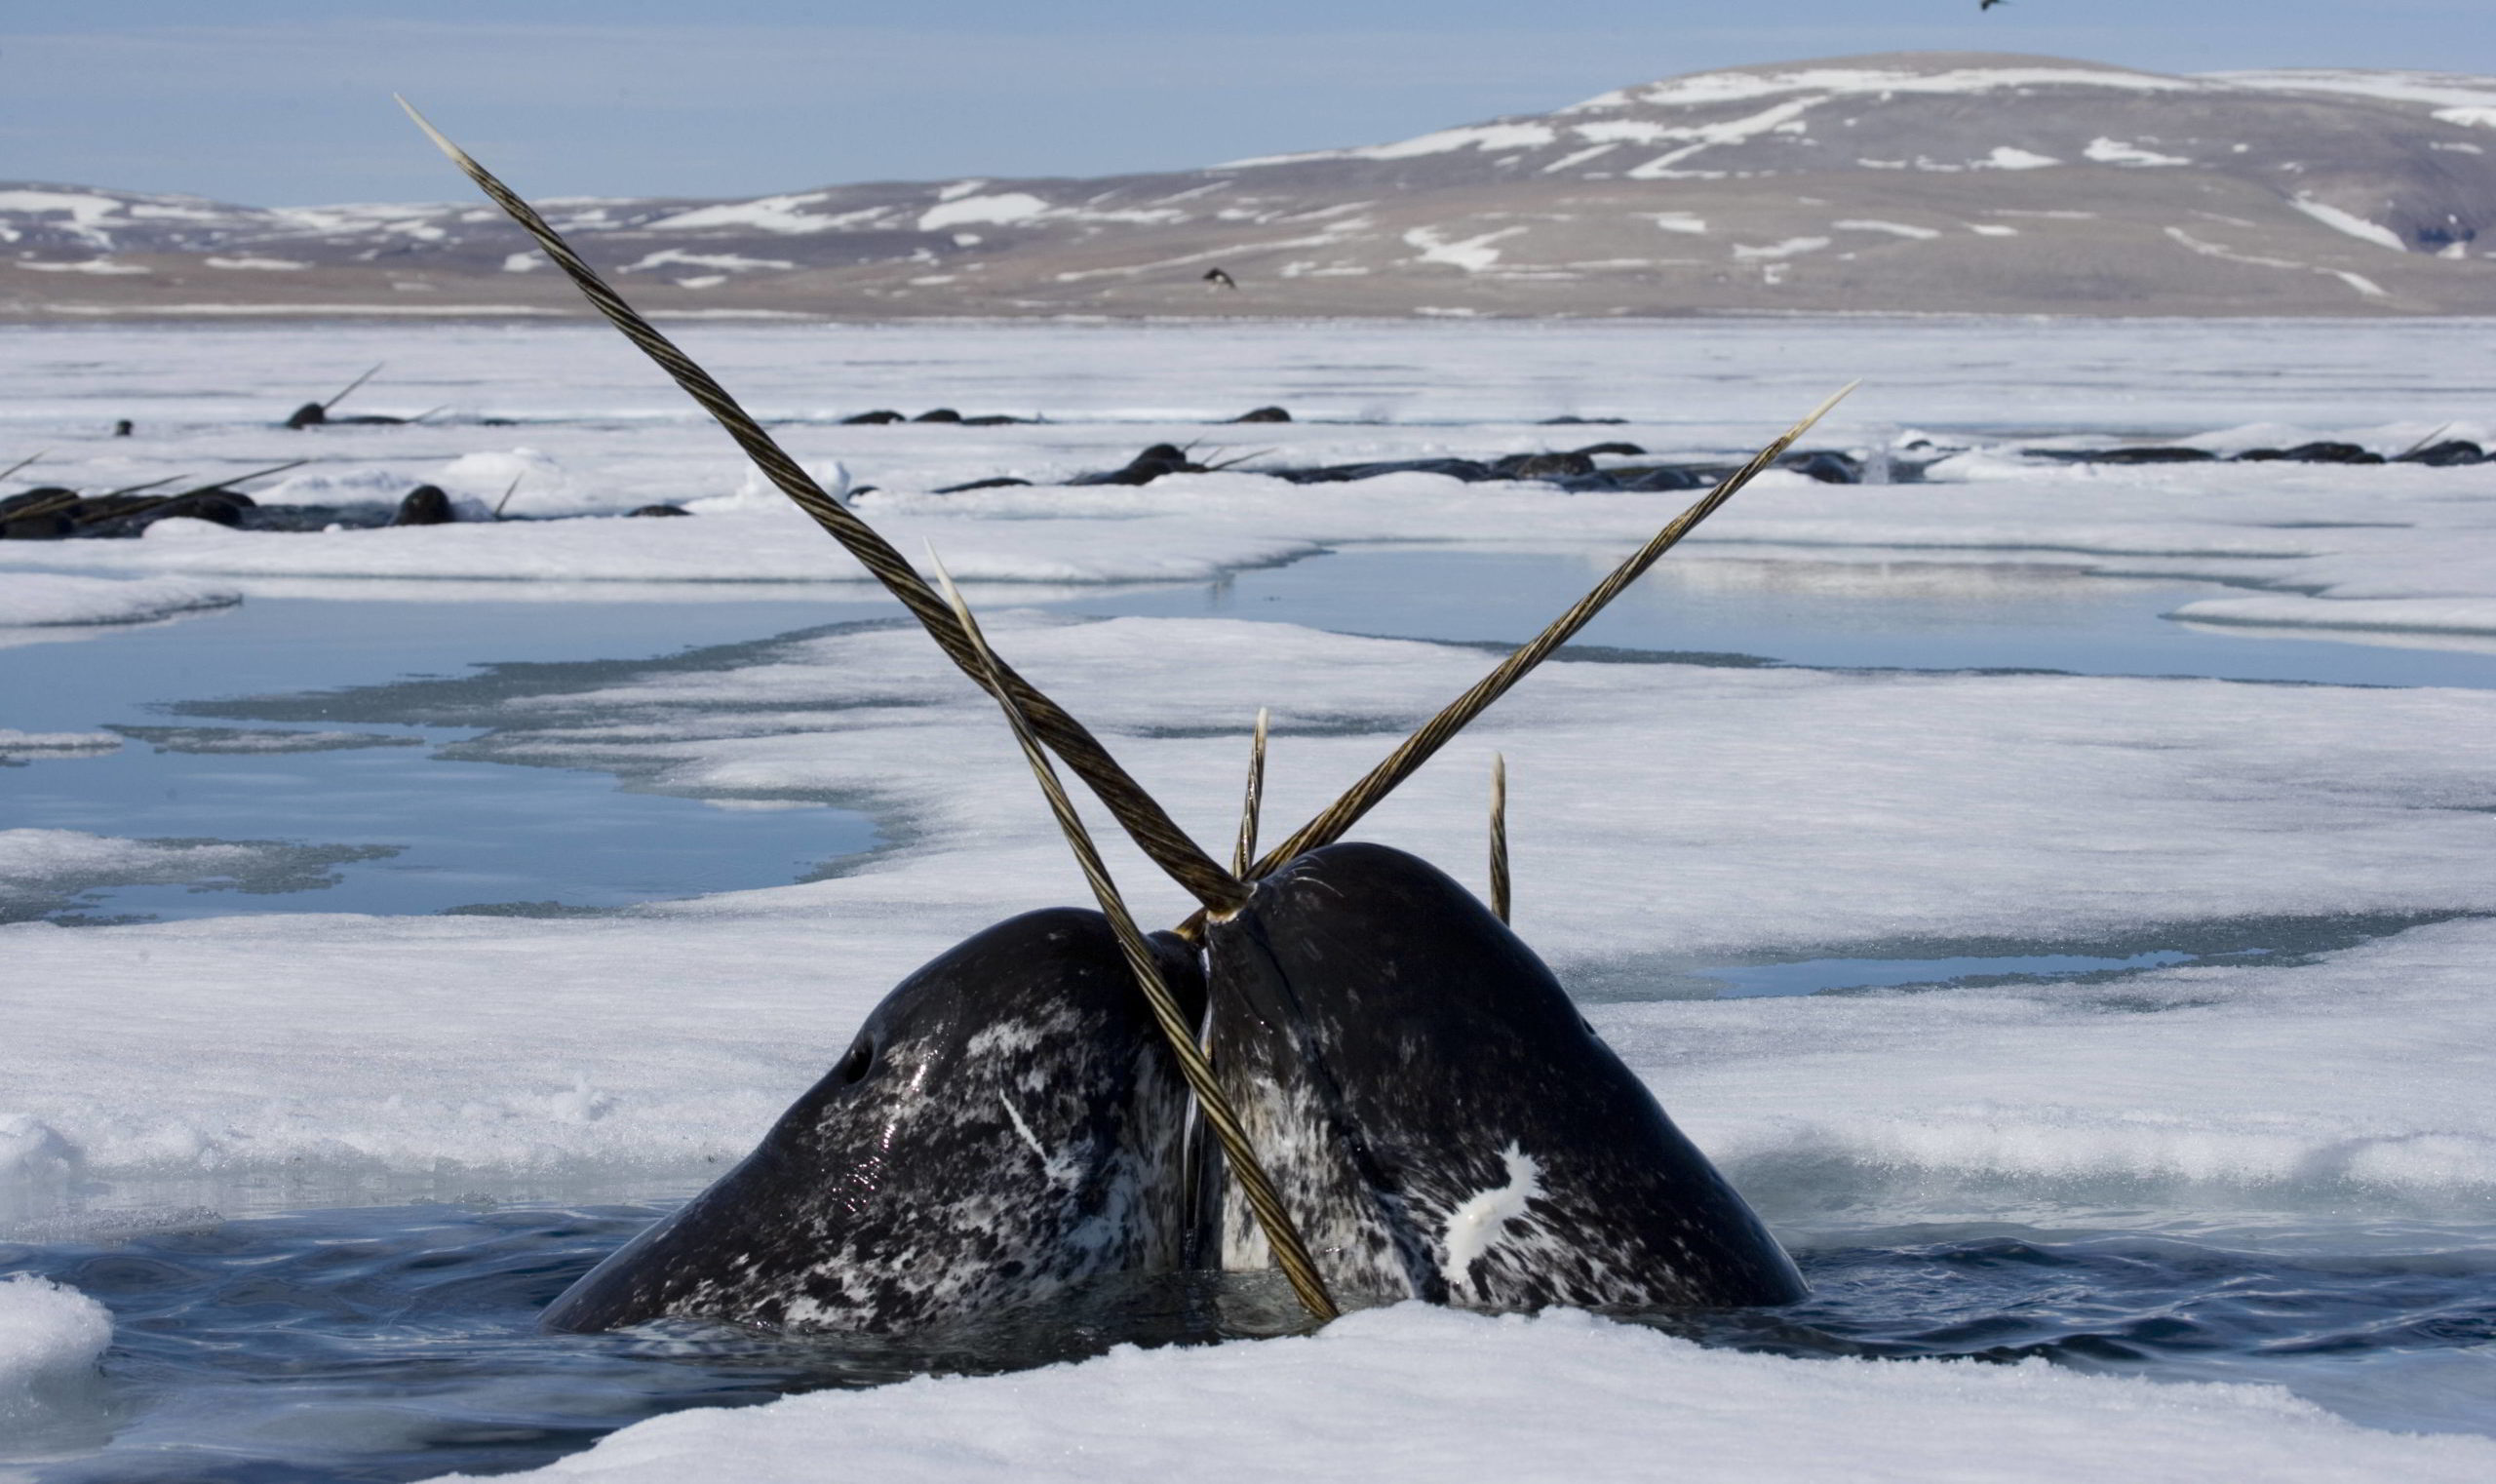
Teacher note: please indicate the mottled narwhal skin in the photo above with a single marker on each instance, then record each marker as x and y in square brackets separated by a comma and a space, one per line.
[1007, 1124]
[1440, 1120]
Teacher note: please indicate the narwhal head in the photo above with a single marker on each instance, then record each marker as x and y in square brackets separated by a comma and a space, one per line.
[1418, 1081]
[1006, 1125]
[1378, 1030]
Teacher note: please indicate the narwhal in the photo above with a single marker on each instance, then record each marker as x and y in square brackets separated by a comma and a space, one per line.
[1404, 1102]
[1006, 1126]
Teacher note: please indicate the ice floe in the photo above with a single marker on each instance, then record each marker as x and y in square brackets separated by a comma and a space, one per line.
[17, 746]
[1411, 1394]
[51, 1338]
[1666, 817]
[43, 600]
[1674, 815]
[40, 869]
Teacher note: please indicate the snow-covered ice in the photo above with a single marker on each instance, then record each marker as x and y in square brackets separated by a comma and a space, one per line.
[51, 1338]
[1417, 1393]
[44, 600]
[41, 868]
[1677, 814]
[2326, 545]
[16, 745]
[1666, 817]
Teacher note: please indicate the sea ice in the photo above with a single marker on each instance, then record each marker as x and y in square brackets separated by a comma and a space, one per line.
[40, 869]
[1665, 817]
[599, 438]
[51, 1338]
[1413, 1393]
[1661, 814]
[44, 600]
[17, 746]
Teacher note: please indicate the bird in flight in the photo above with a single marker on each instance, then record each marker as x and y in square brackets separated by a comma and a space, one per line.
[1986, 5]
[1222, 280]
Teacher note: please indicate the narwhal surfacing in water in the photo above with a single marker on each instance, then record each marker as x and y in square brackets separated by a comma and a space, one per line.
[1441, 1118]
[1007, 1125]
[1437, 1120]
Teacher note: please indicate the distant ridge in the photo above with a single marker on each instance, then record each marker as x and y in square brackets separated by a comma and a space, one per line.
[1908, 183]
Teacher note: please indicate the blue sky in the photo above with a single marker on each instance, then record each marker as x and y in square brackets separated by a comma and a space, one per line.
[288, 104]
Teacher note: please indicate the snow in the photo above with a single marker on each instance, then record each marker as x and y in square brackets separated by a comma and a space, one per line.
[260, 265]
[1789, 247]
[772, 545]
[1838, 809]
[965, 210]
[85, 211]
[769, 213]
[1894, 228]
[213, 310]
[1473, 255]
[1486, 138]
[1411, 1394]
[1729, 131]
[17, 746]
[1620, 130]
[2422, 616]
[99, 265]
[2446, 88]
[38, 866]
[1707, 87]
[1666, 817]
[51, 1338]
[2350, 222]
[678, 256]
[389, 216]
[2106, 151]
[2357, 280]
[602, 436]
[42, 600]
[2005, 157]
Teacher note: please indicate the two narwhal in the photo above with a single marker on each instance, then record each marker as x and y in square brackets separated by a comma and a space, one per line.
[1400, 1098]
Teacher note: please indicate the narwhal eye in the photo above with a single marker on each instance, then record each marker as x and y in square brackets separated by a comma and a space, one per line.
[856, 1062]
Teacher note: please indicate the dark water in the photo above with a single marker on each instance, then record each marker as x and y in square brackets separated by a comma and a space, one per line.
[398, 1343]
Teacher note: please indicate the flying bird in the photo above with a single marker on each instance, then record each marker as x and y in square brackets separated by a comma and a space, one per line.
[1986, 5]
[1219, 279]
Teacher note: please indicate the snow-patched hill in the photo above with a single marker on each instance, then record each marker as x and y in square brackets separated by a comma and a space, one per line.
[1906, 181]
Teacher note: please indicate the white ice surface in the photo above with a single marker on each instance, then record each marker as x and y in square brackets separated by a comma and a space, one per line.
[1704, 88]
[16, 745]
[1665, 817]
[51, 1338]
[1418, 1394]
[42, 600]
[601, 435]
[2431, 88]
[2330, 532]
[42, 865]
[1661, 814]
